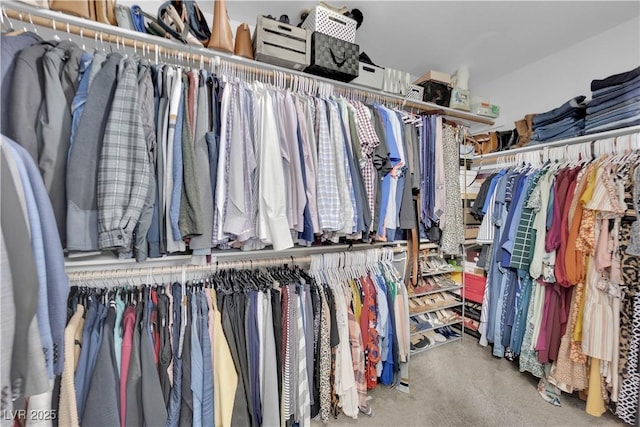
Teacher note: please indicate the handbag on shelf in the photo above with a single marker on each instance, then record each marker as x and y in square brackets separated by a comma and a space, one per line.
[484, 143]
[103, 11]
[221, 34]
[171, 21]
[123, 17]
[84, 9]
[191, 13]
[106, 11]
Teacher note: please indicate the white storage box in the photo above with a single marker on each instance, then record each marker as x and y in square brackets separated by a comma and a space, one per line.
[331, 23]
[370, 76]
[415, 92]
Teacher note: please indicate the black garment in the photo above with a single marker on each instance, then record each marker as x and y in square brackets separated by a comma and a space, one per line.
[309, 337]
[334, 339]
[316, 303]
[134, 416]
[615, 79]
[478, 203]
[154, 409]
[102, 407]
[186, 404]
[276, 308]
[164, 358]
[241, 415]
[253, 355]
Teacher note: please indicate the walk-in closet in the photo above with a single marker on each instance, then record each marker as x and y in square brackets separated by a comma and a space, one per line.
[263, 213]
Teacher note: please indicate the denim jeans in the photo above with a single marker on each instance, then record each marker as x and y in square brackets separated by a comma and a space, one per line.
[625, 106]
[610, 89]
[576, 113]
[556, 113]
[612, 100]
[616, 79]
[614, 93]
[547, 134]
[621, 94]
[618, 102]
[613, 117]
[631, 121]
[572, 132]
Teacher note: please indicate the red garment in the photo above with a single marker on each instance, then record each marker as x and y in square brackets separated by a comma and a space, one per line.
[128, 323]
[560, 267]
[552, 241]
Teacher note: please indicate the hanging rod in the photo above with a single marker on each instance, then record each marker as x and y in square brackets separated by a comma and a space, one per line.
[193, 271]
[107, 262]
[190, 271]
[571, 141]
[112, 34]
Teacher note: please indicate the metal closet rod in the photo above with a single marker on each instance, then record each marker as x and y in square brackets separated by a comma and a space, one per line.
[571, 141]
[111, 34]
[191, 271]
[188, 270]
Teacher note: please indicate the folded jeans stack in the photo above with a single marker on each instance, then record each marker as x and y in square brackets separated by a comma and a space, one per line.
[566, 121]
[615, 102]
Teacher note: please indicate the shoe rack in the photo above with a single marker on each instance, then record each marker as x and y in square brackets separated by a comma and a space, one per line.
[435, 304]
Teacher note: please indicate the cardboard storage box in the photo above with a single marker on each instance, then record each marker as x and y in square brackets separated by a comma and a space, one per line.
[369, 75]
[436, 92]
[435, 76]
[281, 44]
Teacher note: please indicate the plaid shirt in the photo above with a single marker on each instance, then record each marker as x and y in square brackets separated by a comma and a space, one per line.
[123, 171]
[329, 208]
[368, 142]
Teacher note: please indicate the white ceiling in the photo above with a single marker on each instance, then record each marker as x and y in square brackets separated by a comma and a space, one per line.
[492, 38]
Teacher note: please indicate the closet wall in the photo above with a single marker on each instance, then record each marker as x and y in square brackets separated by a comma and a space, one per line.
[549, 82]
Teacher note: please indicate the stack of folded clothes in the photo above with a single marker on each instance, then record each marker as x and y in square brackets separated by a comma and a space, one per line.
[566, 121]
[615, 102]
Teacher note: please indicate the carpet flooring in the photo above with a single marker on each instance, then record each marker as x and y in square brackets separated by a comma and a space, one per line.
[462, 384]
